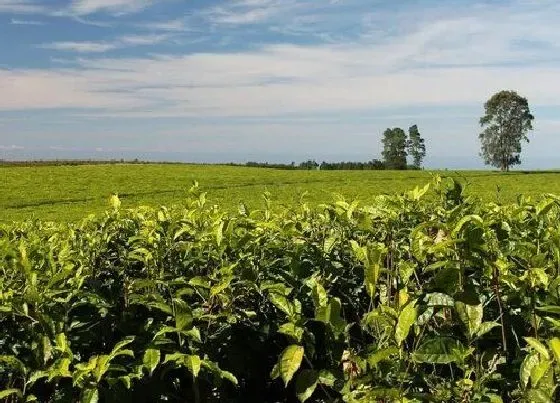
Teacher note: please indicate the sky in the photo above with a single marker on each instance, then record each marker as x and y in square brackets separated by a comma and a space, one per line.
[276, 80]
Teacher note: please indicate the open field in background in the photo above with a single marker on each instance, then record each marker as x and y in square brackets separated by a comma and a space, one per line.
[68, 193]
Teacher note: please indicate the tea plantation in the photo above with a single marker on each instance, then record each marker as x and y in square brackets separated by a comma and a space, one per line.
[69, 193]
[432, 295]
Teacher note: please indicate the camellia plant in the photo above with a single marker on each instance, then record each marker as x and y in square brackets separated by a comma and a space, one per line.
[425, 297]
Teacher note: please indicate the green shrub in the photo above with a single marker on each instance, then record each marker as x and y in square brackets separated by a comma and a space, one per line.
[427, 296]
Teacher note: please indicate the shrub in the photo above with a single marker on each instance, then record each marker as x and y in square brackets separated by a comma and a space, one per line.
[428, 296]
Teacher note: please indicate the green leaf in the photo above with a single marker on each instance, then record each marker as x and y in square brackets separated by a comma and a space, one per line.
[470, 315]
[330, 315]
[437, 350]
[290, 361]
[183, 315]
[554, 345]
[538, 396]
[193, 363]
[306, 382]
[282, 303]
[360, 252]
[221, 286]
[89, 396]
[292, 330]
[326, 378]
[527, 366]
[118, 347]
[550, 309]
[475, 219]
[278, 288]
[200, 282]
[381, 355]
[485, 327]
[9, 392]
[228, 376]
[407, 317]
[371, 275]
[406, 269]
[12, 362]
[439, 299]
[194, 334]
[319, 294]
[275, 373]
[175, 357]
[538, 346]
[151, 359]
[126, 381]
[161, 306]
[544, 206]
[539, 371]
[329, 243]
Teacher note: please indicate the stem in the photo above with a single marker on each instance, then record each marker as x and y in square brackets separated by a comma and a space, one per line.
[499, 298]
[534, 316]
[196, 390]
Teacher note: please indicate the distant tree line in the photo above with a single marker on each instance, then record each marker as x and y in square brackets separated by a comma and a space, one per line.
[309, 165]
[397, 147]
[65, 162]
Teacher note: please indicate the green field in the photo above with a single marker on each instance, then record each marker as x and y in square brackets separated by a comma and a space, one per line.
[68, 193]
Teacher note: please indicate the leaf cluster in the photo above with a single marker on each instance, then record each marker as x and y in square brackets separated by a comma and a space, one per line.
[424, 297]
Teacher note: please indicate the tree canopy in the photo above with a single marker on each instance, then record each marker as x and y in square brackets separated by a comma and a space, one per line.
[394, 148]
[415, 146]
[506, 122]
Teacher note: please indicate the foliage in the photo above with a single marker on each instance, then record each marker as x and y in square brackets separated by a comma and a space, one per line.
[415, 146]
[373, 165]
[507, 120]
[428, 296]
[67, 194]
[394, 148]
[323, 166]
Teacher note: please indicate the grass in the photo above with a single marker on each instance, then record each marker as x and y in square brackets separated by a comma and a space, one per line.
[68, 193]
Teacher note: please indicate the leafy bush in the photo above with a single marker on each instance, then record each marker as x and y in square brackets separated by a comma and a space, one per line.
[428, 296]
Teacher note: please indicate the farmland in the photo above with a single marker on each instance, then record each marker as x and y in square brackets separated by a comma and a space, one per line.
[69, 193]
[428, 296]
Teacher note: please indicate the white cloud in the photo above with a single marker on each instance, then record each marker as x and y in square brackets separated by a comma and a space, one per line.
[240, 12]
[80, 47]
[451, 60]
[176, 25]
[101, 47]
[14, 21]
[85, 7]
[21, 7]
[135, 40]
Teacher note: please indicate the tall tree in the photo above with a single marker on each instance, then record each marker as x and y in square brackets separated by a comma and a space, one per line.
[394, 148]
[415, 146]
[506, 122]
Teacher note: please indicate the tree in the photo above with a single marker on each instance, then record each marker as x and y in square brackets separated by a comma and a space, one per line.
[394, 148]
[507, 120]
[415, 146]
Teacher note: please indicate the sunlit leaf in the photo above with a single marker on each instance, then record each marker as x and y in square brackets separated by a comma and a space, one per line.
[290, 360]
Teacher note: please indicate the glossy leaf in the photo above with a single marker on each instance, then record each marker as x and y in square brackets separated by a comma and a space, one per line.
[290, 361]
[407, 317]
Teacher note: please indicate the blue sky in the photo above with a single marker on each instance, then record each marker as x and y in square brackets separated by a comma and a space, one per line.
[271, 79]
